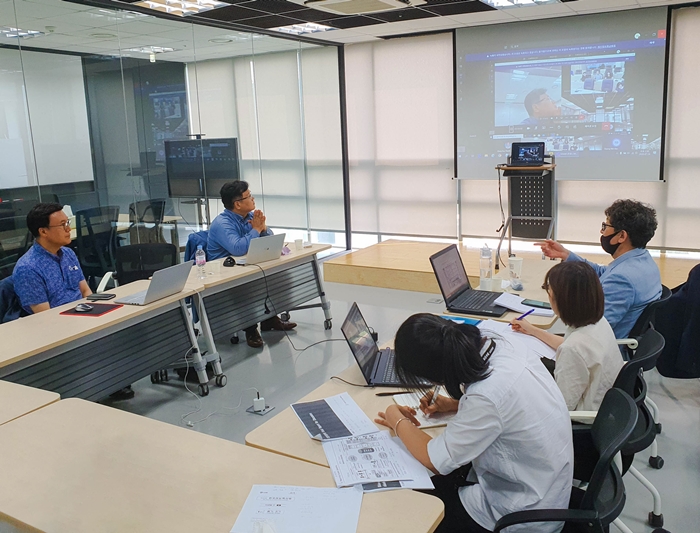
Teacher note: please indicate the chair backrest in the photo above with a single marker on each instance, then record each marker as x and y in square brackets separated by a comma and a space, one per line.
[651, 344]
[10, 306]
[611, 430]
[147, 212]
[194, 240]
[647, 317]
[96, 236]
[140, 261]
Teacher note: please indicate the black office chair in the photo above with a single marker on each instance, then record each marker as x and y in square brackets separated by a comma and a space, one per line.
[145, 221]
[594, 509]
[631, 380]
[140, 261]
[644, 322]
[15, 240]
[96, 237]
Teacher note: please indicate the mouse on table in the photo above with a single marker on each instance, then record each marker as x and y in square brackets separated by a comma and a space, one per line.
[229, 261]
[83, 308]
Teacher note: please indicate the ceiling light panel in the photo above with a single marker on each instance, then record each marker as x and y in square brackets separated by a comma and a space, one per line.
[181, 8]
[506, 4]
[18, 33]
[300, 29]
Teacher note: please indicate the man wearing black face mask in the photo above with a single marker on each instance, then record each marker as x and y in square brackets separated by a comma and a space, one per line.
[632, 280]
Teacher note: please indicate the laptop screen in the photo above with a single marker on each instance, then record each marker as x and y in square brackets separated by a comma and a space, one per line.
[527, 153]
[360, 340]
[449, 271]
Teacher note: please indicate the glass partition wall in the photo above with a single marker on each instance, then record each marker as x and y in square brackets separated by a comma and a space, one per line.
[140, 120]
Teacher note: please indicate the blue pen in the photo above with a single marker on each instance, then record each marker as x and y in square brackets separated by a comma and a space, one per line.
[523, 316]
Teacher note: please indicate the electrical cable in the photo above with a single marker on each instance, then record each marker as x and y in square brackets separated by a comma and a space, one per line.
[353, 384]
[503, 219]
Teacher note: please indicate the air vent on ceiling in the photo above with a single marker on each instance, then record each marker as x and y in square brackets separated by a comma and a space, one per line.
[357, 7]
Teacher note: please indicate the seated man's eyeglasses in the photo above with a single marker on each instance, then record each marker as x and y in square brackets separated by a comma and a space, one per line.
[65, 225]
[605, 226]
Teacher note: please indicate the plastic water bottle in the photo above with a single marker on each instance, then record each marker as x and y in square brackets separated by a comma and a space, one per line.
[485, 263]
[200, 260]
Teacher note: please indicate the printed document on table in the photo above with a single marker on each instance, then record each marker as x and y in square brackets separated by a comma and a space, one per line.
[533, 344]
[336, 417]
[290, 509]
[421, 475]
[368, 459]
[515, 303]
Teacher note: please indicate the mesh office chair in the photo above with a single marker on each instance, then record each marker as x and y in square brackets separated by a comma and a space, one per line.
[96, 237]
[594, 509]
[146, 221]
[15, 240]
[140, 261]
[643, 323]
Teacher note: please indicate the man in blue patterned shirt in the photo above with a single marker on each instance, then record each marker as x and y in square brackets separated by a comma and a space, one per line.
[49, 274]
[230, 234]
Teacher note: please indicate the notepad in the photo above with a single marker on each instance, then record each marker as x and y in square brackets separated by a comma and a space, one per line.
[336, 417]
[412, 399]
[515, 303]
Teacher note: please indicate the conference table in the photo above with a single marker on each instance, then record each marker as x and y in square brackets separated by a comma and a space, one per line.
[231, 299]
[285, 435]
[18, 400]
[91, 357]
[80, 467]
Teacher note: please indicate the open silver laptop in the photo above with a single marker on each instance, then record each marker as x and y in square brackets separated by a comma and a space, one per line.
[165, 282]
[265, 249]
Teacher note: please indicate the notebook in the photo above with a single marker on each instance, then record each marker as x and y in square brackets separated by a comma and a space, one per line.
[456, 290]
[165, 282]
[412, 399]
[377, 365]
[527, 154]
[265, 249]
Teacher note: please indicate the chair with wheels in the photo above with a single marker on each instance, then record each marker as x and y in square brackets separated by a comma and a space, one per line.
[631, 381]
[594, 509]
[643, 323]
[96, 237]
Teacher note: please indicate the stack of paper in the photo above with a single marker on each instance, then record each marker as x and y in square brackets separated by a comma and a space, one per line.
[532, 344]
[412, 399]
[336, 417]
[515, 303]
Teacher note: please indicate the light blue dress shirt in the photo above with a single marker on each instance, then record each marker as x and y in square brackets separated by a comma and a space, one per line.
[630, 282]
[41, 276]
[230, 234]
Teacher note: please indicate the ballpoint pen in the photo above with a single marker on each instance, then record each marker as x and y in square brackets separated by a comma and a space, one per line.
[524, 315]
[436, 390]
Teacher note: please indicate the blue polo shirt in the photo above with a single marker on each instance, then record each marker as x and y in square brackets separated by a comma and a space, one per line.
[230, 234]
[41, 276]
[629, 283]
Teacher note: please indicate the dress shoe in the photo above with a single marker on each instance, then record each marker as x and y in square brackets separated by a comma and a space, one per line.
[123, 394]
[254, 339]
[275, 323]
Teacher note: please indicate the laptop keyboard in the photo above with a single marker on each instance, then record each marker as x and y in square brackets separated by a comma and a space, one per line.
[390, 370]
[473, 300]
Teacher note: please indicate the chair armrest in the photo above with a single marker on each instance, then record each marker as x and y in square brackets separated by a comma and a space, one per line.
[103, 282]
[545, 515]
[630, 343]
[585, 417]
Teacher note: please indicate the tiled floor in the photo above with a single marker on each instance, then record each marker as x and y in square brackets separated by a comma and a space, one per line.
[283, 375]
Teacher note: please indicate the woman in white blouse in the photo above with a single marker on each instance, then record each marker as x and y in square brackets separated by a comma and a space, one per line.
[507, 449]
[588, 358]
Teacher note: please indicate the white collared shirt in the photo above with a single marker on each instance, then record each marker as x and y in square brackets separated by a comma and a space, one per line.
[514, 428]
[588, 362]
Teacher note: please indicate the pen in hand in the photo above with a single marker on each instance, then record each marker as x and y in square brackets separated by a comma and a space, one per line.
[436, 390]
[524, 315]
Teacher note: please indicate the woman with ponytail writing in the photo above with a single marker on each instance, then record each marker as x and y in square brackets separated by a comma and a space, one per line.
[509, 446]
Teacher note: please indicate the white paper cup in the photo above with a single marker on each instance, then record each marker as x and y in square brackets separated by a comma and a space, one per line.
[298, 244]
[515, 267]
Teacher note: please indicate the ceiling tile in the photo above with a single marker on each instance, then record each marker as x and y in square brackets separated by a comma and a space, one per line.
[232, 13]
[457, 8]
[398, 15]
[270, 21]
[272, 6]
[485, 17]
[353, 22]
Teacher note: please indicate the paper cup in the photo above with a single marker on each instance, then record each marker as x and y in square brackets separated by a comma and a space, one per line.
[515, 267]
[298, 244]
[486, 284]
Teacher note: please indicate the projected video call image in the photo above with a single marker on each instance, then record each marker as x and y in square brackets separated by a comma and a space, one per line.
[590, 89]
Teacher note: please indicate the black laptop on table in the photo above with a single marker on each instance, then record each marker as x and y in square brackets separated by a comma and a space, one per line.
[377, 365]
[456, 290]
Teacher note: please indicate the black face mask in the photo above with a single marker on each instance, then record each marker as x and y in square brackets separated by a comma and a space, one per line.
[605, 243]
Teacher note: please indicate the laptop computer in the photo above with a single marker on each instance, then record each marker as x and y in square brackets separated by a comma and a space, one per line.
[527, 154]
[265, 249]
[377, 365]
[164, 282]
[456, 290]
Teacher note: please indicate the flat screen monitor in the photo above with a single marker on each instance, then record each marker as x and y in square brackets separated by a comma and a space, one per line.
[198, 168]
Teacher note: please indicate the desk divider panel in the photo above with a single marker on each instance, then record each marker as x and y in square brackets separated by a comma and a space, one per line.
[239, 307]
[100, 367]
